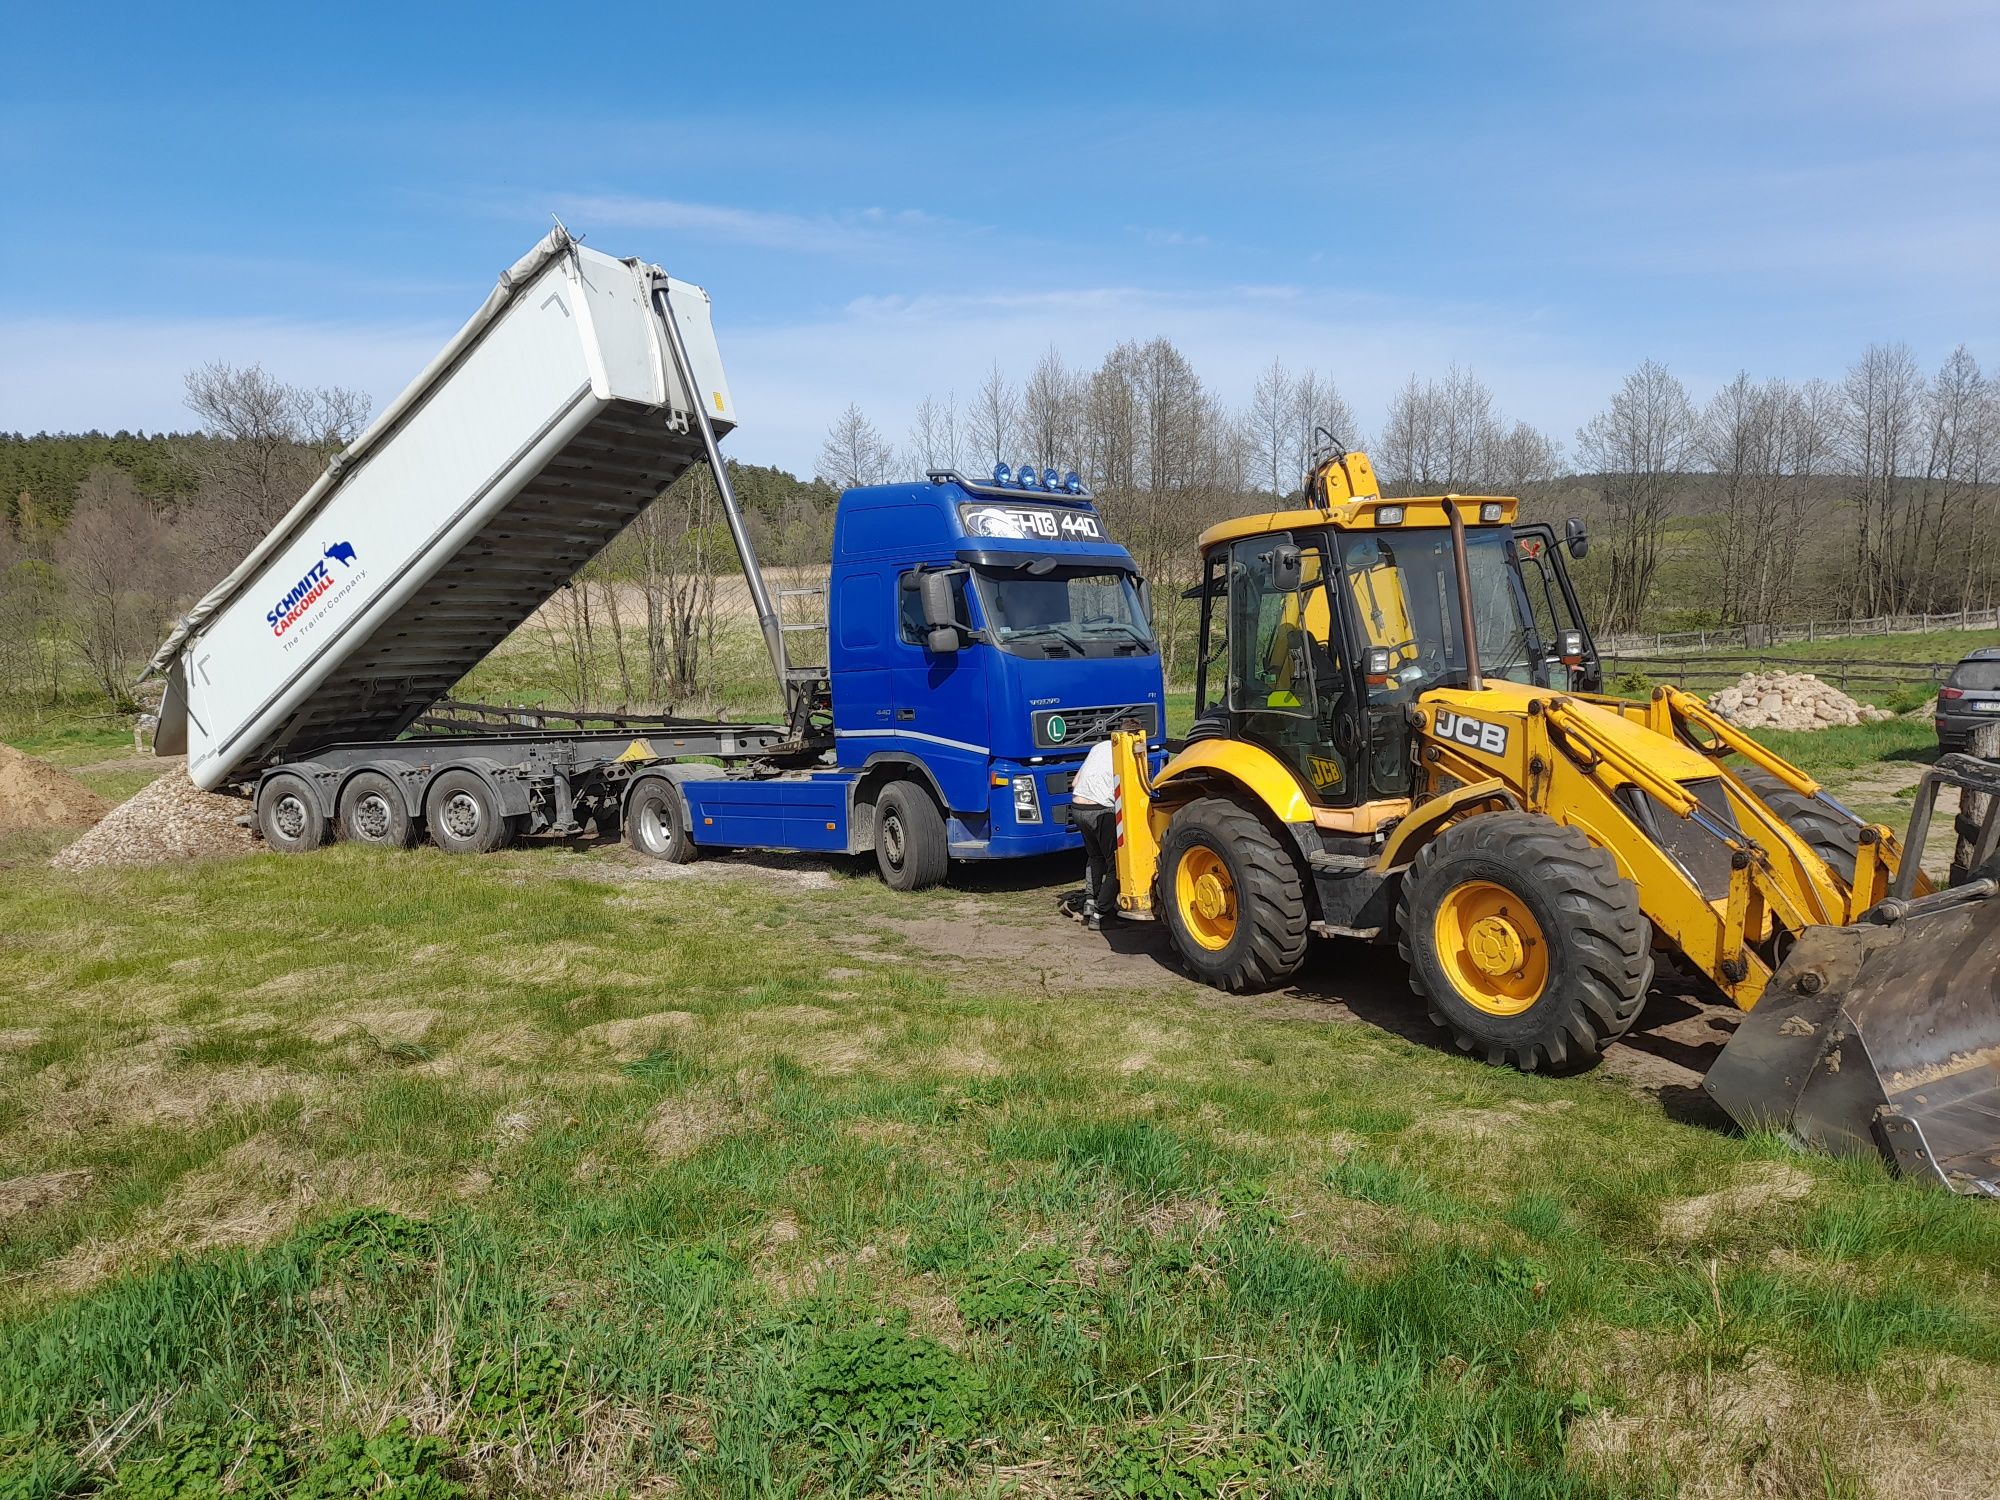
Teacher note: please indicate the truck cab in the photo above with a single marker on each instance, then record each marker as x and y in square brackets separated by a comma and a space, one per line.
[981, 637]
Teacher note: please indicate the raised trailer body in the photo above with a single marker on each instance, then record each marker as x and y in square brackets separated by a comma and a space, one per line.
[553, 418]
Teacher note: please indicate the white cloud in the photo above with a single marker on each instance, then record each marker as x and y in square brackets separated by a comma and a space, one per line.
[64, 375]
[866, 232]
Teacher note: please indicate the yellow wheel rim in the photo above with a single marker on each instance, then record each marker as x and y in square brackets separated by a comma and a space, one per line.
[1206, 897]
[1491, 947]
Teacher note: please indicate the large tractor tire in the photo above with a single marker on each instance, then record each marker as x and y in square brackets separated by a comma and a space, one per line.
[1829, 835]
[1529, 946]
[1234, 897]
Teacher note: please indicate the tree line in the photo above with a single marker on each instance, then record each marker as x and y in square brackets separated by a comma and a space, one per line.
[1770, 500]
[1763, 502]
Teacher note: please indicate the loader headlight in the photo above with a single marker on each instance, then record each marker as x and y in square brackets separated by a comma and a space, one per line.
[1490, 511]
[1389, 515]
[1027, 800]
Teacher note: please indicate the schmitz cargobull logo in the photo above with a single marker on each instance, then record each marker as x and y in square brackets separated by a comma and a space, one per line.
[309, 590]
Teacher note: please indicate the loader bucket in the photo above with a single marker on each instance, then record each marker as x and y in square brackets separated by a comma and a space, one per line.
[1882, 1038]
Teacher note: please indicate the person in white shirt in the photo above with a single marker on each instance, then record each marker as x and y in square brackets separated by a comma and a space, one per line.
[1092, 795]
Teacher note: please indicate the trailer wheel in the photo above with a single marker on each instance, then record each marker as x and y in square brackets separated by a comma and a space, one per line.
[464, 816]
[911, 850]
[1529, 946]
[288, 814]
[656, 821]
[372, 811]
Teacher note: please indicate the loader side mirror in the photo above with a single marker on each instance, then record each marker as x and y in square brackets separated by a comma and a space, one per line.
[941, 632]
[1576, 538]
[1284, 568]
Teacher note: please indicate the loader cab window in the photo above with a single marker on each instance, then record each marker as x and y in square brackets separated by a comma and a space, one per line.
[1287, 673]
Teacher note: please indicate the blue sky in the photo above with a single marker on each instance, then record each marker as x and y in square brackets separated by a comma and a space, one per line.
[884, 200]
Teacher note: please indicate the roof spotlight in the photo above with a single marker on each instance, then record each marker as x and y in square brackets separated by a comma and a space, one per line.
[1052, 481]
[1073, 482]
[1030, 480]
[1002, 474]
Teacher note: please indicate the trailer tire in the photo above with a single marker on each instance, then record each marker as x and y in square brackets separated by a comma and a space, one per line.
[372, 811]
[656, 822]
[1528, 945]
[911, 849]
[288, 814]
[1825, 832]
[1233, 897]
[464, 815]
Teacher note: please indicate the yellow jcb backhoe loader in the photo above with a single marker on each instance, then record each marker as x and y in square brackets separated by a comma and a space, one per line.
[1398, 735]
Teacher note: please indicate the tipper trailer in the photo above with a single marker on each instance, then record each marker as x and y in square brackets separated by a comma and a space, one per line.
[980, 635]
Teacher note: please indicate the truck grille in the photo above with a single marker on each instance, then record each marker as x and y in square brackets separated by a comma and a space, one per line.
[1062, 728]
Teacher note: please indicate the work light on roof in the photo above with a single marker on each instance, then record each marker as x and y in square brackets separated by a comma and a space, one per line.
[1002, 474]
[1030, 480]
[1073, 482]
[1052, 481]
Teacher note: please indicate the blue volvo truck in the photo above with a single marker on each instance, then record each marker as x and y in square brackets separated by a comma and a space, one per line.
[980, 637]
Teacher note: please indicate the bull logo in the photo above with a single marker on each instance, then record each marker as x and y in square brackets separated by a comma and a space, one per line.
[342, 553]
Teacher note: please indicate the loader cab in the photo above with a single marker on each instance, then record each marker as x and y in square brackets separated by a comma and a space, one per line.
[1320, 629]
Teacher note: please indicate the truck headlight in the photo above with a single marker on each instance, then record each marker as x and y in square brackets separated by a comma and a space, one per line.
[1027, 801]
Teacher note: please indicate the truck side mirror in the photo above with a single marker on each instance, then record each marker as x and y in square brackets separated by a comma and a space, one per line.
[940, 611]
[1576, 538]
[1284, 568]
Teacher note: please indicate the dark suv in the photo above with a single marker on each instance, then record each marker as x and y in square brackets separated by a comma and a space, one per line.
[1969, 697]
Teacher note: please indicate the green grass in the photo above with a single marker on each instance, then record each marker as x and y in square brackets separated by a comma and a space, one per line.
[588, 1178]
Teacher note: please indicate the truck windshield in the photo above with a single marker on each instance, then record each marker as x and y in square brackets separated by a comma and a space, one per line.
[1066, 614]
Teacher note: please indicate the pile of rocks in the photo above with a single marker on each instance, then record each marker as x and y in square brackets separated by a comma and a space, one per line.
[1791, 700]
[170, 820]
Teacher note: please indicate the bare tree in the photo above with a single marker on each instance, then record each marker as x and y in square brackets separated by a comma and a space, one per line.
[854, 453]
[991, 421]
[1052, 414]
[1317, 404]
[266, 442]
[1881, 394]
[934, 435]
[1271, 427]
[119, 568]
[1639, 449]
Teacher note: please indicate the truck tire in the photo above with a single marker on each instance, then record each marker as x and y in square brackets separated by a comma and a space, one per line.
[1825, 831]
[1234, 897]
[656, 820]
[464, 816]
[372, 811]
[911, 849]
[1529, 946]
[288, 814]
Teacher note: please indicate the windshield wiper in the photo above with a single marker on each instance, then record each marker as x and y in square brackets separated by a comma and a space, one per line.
[1061, 632]
[1132, 631]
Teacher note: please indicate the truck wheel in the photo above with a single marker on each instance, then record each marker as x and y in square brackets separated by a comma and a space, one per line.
[911, 849]
[656, 820]
[1825, 831]
[1527, 942]
[288, 814]
[1234, 899]
[372, 811]
[463, 815]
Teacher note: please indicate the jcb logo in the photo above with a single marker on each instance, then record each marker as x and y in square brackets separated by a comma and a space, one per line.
[1474, 734]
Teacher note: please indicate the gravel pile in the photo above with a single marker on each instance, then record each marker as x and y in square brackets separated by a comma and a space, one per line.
[34, 794]
[170, 820]
[1791, 700]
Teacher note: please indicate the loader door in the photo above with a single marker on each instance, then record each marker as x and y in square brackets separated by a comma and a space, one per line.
[1288, 684]
[1552, 598]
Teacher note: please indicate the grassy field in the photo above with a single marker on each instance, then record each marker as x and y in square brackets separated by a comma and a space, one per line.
[558, 1173]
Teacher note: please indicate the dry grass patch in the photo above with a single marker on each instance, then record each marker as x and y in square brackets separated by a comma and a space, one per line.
[40, 1191]
[635, 1037]
[1762, 1189]
[1921, 1426]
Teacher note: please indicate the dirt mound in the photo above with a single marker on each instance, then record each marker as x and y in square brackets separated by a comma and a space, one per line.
[170, 820]
[34, 794]
[1791, 700]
